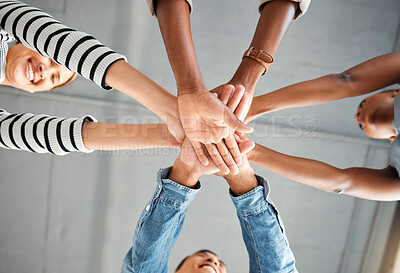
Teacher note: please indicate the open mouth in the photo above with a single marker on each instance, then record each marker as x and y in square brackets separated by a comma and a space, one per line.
[30, 71]
[209, 268]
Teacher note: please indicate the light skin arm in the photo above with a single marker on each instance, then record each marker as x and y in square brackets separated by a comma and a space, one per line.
[188, 169]
[243, 182]
[373, 184]
[123, 77]
[361, 79]
[112, 136]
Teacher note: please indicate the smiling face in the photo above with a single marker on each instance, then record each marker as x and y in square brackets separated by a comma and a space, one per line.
[375, 115]
[28, 70]
[202, 262]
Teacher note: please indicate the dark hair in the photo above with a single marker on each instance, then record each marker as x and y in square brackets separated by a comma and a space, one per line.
[73, 77]
[200, 251]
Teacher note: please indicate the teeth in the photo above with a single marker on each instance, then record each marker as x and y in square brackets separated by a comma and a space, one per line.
[30, 71]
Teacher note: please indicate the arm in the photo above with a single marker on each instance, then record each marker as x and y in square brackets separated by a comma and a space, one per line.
[204, 118]
[42, 133]
[82, 53]
[161, 221]
[275, 19]
[60, 136]
[174, 21]
[361, 79]
[112, 136]
[262, 227]
[364, 183]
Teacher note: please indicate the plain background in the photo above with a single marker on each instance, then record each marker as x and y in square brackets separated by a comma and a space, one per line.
[77, 213]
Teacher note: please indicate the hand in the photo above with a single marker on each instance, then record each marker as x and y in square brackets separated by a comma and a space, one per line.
[248, 93]
[175, 126]
[226, 154]
[206, 119]
[246, 146]
[243, 182]
[187, 168]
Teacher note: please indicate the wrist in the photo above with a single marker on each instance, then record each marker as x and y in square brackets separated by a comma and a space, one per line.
[252, 155]
[189, 82]
[248, 74]
[184, 174]
[243, 182]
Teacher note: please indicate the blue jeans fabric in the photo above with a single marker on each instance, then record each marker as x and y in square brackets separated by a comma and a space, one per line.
[161, 222]
[263, 231]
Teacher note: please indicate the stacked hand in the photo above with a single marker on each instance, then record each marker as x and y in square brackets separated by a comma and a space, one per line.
[211, 119]
[188, 169]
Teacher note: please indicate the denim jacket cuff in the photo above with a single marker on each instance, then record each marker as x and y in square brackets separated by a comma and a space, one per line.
[173, 193]
[254, 201]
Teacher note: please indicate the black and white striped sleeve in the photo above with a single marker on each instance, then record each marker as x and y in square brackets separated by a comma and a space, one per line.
[78, 51]
[42, 133]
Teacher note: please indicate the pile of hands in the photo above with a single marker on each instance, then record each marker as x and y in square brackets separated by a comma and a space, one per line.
[210, 130]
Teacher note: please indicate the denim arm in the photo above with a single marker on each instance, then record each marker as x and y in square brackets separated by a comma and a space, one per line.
[159, 226]
[263, 231]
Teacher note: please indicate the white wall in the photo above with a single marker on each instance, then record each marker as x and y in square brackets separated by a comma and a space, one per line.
[77, 213]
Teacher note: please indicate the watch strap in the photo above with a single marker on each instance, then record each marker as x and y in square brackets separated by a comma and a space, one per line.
[260, 56]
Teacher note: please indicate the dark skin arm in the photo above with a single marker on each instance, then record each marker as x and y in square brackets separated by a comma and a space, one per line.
[274, 21]
[361, 79]
[205, 119]
[373, 184]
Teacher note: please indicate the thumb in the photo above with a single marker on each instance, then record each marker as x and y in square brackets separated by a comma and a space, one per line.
[246, 146]
[232, 121]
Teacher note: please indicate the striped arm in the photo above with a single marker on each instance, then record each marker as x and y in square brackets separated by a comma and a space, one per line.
[76, 50]
[42, 133]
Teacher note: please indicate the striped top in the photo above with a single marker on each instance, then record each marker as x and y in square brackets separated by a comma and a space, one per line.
[76, 50]
[42, 133]
[39, 31]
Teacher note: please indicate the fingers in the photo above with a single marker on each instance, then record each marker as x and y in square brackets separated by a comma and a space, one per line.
[243, 107]
[234, 151]
[227, 94]
[198, 149]
[236, 98]
[232, 121]
[246, 146]
[240, 134]
[217, 158]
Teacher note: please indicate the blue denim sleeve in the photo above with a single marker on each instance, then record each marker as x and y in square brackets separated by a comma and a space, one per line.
[263, 231]
[159, 226]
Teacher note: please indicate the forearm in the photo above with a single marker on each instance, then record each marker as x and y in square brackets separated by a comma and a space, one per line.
[243, 182]
[159, 226]
[306, 171]
[272, 26]
[123, 77]
[263, 231]
[361, 79]
[42, 133]
[316, 91]
[373, 184]
[112, 136]
[174, 20]
[184, 174]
